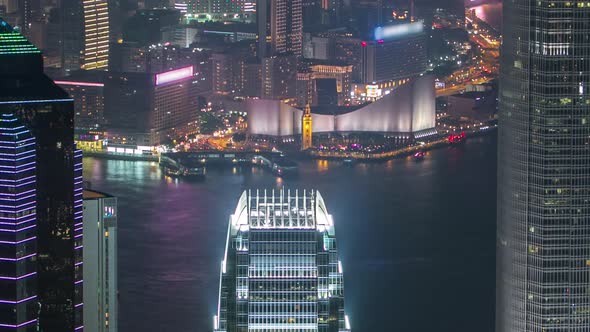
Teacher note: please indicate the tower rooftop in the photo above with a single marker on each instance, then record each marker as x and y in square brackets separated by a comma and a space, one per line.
[13, 42]
[21, 65]
[282, 209]
[18, 57]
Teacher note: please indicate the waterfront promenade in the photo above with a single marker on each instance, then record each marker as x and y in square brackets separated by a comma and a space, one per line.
[315, 154]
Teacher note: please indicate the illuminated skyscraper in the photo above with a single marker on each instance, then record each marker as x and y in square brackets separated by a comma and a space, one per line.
[142, 110]
[65, 38]
[280, 27]
[96, 34]
[100, 262]
[280, 270]
[47, 112]
[394, 53]
[543, 236]
[87, 90]
[279, 77]
[18, 281]
[25, 11]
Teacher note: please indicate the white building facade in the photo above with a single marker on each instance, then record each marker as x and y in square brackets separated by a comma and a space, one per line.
[100, 262]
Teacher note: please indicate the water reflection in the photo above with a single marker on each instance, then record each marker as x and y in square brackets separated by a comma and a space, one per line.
[490, 13]
[389, 165]
[322, 165]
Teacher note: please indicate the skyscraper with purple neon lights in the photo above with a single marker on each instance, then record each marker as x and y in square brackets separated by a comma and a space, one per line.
[47, 112]
[18, 250]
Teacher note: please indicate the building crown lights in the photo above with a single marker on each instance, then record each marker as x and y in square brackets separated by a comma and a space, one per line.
[12, 42]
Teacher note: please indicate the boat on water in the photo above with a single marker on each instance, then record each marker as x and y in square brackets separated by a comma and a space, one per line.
[181, 170]
[195, 173]
[348, 161]
[284, 167]
[419, 155]
[171, 172]
[456, 139]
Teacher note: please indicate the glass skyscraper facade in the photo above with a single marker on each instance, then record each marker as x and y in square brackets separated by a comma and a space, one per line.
[18, 270]
[47, 112]
[280, 271]
[543, 234]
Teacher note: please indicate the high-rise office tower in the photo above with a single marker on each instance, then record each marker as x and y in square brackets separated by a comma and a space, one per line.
[311, 12]
[280, 27]
[279, 77]
[11, 5]
[331, 11]
[100, 262]
[212, 6]
[18, 305]
[326, 12]
[26, 15]
[280, 271]
[96, 34]
[65, 38]
[367, 15]
[47, 112]
[87, 90]
[543, 237]
[142, 110]
[393, 53]
[222, 78]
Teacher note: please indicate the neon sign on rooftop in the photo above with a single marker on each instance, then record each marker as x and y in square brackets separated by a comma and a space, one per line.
[398, 30]
[174, 75]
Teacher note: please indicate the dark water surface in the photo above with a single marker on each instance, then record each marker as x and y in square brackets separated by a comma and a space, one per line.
[416, 238]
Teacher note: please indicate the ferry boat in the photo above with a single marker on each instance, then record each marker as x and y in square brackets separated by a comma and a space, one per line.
[176, 169]
[184, 172]
[195, 173]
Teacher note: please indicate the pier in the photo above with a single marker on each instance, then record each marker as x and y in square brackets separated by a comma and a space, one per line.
[180, 163]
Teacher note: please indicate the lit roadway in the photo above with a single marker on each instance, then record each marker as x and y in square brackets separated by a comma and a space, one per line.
[483, 69]
[381, 155]
[461, 87]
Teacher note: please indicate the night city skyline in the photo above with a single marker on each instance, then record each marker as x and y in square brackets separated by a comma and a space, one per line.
[450, 142]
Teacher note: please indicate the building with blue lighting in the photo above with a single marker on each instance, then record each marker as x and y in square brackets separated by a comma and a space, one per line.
[280, 270]
[47, 113]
